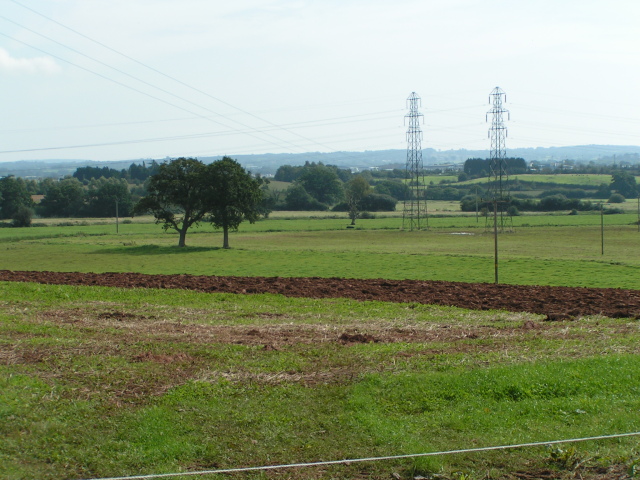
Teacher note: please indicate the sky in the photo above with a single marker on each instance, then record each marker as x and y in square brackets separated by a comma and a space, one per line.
[135, 79]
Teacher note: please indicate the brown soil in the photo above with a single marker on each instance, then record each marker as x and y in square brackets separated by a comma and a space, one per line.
[557, 303]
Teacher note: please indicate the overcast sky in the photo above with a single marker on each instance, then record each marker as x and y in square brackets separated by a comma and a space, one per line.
[130, 79]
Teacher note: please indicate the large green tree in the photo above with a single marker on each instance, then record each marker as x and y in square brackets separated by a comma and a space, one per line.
[298, 199]
[177, 196]
[104, 193]
[234, 196]
[395, 188]
[13, 196]
[62, 199]
[322, 183]
[625, 184]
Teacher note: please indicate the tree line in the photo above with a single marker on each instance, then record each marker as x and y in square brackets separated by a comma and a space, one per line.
[67, 197]
[89, 192]
[319, 187]
[97, 192]
[134, 174]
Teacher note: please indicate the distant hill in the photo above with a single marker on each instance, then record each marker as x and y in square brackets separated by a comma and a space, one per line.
[269, 162]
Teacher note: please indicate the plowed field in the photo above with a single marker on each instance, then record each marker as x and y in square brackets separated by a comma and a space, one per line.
[557, 303]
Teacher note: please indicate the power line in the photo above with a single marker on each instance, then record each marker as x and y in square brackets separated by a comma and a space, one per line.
[167, 76]
[179, 137]
[145, 83]
[127, 86]
[370, 459]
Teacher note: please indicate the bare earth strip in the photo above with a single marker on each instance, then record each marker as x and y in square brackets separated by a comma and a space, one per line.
[556, 303]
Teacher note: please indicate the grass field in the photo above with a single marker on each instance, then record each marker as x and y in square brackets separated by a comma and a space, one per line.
[575, 179]
[98, 382]
[108, 382]
[549, 249]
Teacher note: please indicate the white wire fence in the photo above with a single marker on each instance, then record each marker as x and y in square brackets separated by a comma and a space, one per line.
[360, 460]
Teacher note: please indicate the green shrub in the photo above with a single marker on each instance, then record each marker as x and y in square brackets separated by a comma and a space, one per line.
[616, 198]
[22, 217]
[513, 211]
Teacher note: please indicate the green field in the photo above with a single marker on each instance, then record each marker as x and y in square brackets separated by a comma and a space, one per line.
[104, 382]
[543, 249]
[575, 179]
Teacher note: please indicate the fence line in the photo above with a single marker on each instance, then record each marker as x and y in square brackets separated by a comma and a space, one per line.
[360, 460]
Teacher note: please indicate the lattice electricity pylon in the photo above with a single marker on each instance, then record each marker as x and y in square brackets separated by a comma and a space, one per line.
[499, 194]
[414, 214]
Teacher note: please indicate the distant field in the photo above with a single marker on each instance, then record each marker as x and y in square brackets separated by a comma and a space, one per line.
[437, 179]
[544, 249]
[277, 185]
[564, 178]
[591, 180]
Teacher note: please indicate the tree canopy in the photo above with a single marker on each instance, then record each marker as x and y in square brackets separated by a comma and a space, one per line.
[185, 192]
[13, 196]
[104, 194]
[63, 199]
[480, 167]
[177, 196]
[322, 183]
[297, 198]
[233, 196]
[625, 184]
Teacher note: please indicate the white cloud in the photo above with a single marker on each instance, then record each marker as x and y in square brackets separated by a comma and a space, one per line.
[27, 65]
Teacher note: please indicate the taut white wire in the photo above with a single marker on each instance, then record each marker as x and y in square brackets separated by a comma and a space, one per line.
[372, 459]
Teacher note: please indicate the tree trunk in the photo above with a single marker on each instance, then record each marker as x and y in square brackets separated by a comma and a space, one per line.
[182, 240]
[225, 242]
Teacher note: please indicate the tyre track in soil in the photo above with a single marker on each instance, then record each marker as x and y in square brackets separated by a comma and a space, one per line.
[556, 303]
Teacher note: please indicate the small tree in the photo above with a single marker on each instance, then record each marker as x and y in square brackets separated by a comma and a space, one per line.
[177, 196]
[513, 211]
[355, 190]
[235, 196]
[22, 217]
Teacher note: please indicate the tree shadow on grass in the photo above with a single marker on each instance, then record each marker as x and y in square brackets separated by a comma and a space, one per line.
[141, 250]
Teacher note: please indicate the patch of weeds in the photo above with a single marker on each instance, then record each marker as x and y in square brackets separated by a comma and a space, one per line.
[567, 458]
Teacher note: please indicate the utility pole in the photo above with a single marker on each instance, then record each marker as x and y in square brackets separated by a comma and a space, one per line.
[601, 228]
[415, 207]
[499, 177]
[476, 203]
[498, 181]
